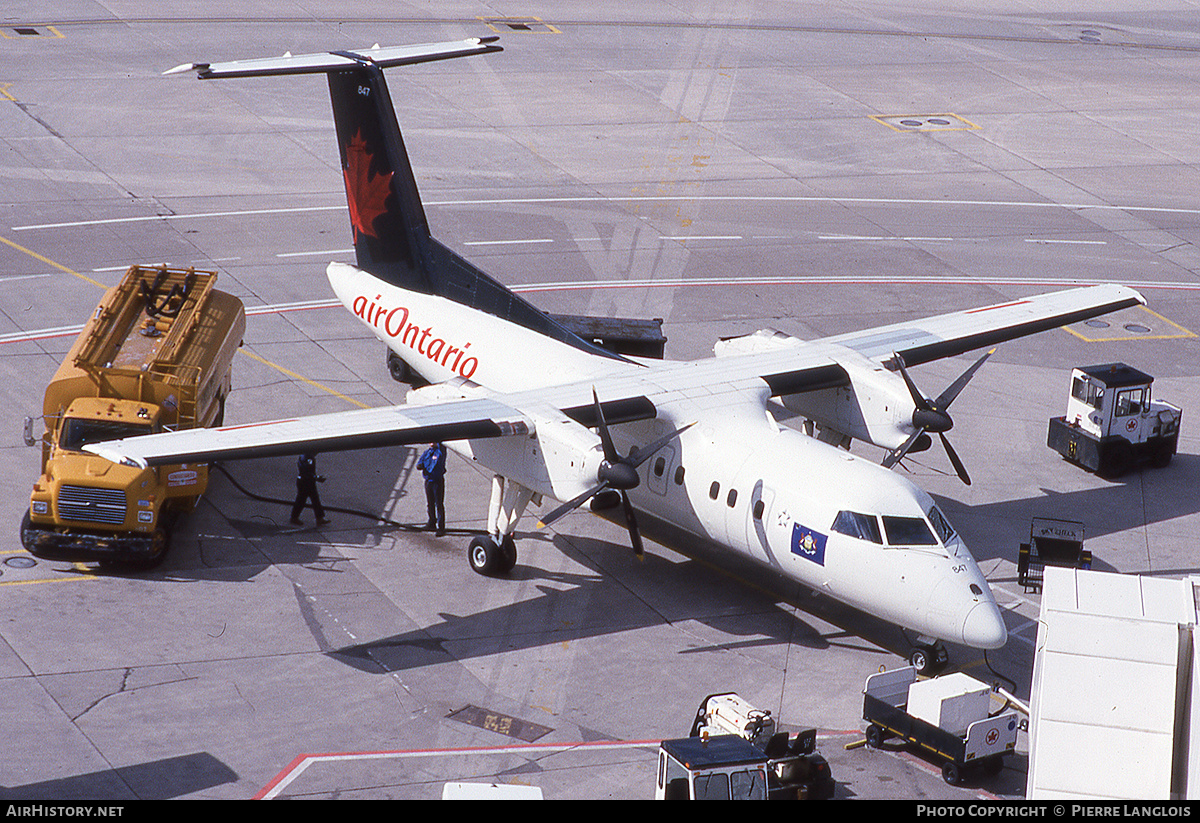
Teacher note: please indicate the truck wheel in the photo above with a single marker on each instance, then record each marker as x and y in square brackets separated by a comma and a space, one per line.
[1163, 455]
[1119, 461]
[951, 773]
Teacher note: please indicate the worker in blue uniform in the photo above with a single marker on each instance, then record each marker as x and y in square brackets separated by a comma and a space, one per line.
[433, 468]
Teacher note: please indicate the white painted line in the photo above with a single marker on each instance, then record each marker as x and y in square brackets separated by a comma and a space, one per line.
[881, 201]
[506, 242]
[23, 277]
[314, 253]
[889, 237]
[701, 237]
[1073, 242]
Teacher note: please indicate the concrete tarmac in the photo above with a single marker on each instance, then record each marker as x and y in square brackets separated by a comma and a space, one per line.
[725, 167]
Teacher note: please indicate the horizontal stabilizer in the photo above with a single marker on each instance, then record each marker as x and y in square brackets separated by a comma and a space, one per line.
[384, 57]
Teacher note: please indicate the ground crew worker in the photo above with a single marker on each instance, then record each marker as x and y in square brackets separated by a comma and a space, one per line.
[433, 467]
[306, 489]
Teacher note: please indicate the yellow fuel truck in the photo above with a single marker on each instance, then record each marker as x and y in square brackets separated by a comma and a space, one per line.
[156, 355]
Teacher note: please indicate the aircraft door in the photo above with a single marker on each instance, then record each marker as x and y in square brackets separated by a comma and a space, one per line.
[758, 520]
[659, 469]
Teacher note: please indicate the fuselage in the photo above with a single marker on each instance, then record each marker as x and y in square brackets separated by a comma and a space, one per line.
[839, 524]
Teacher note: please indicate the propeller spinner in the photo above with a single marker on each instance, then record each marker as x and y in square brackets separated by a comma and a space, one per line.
[617, 473]
[932, 416]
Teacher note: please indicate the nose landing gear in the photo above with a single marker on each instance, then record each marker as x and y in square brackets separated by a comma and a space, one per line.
[928, 656]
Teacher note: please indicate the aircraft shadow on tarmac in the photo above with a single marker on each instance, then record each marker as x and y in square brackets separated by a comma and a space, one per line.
[1140, 498]
[163, 779]
[607, 603]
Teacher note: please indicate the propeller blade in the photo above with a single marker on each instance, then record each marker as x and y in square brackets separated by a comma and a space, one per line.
[635, 537]
[570, 505]
[610, 451]
[920, 401]
[640, 456]
[947, 397]
[896, 455]
[953, 455]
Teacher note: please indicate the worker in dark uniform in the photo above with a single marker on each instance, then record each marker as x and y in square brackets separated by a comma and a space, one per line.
[306, 489]
[433, 467]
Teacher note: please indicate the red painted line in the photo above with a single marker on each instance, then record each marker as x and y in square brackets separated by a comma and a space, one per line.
[1001, 306]
[252, 425]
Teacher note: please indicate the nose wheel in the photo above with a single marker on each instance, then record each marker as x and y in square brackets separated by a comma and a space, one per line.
[929, 658]
[492, 559]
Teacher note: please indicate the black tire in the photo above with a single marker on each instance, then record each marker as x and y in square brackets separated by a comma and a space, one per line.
[875, 736]
[1163, 454]
[508, 553]
[485, 557]
[397, 368]
[921, 660]
[1118, 461]
[951, 773]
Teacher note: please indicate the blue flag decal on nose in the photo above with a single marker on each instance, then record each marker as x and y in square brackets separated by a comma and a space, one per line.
[808, 543]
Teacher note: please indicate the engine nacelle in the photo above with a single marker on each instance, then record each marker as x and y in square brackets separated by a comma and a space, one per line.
[760, 341]
[557, 458]
[875, 408]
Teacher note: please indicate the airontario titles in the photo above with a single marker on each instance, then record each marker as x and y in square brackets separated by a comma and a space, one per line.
[397, 323]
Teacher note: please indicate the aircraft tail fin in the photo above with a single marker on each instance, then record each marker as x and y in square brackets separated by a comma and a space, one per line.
[391, 233]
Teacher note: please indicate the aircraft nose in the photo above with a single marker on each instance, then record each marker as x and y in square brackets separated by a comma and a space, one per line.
[984, 627]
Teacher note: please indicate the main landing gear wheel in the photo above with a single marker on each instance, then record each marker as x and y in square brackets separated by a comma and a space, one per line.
[929, 659]
[491, 559]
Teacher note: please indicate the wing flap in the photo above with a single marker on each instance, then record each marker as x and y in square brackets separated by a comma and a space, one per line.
[338, 431]
[949, 335]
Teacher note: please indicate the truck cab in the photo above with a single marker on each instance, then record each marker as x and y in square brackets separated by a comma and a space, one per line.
[1113, 422]
[156, 355]
[721, 767]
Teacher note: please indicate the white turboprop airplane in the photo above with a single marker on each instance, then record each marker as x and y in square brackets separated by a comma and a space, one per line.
[683, 447]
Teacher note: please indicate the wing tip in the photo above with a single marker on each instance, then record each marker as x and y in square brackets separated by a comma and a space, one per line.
[114, 456]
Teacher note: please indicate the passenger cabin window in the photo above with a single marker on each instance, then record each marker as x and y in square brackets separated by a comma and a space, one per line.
[907, 531]
[659, 466]
[679, 475]
[714, 491]
[860, 526]
[731, 498]
[759, 508]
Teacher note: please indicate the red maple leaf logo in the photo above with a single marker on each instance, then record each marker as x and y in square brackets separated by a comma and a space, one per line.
[365, 192]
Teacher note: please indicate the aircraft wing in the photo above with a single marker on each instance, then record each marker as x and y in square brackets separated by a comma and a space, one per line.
[337, 431]
[949, 335]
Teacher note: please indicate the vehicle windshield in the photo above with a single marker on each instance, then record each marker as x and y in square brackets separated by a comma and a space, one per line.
[907, 531]
[77, 433]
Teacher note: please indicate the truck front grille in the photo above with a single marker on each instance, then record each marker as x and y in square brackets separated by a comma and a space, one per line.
[86, 505]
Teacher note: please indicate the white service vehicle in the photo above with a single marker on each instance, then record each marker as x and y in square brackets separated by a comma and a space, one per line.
[1112, 422]
[948, 717]
[715, 750]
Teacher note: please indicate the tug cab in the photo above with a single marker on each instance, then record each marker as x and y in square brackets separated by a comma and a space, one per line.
[1113, 423]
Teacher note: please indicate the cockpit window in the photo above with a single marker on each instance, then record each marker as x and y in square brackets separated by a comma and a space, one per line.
[908, 531]
[940, 524]
[861, 526]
